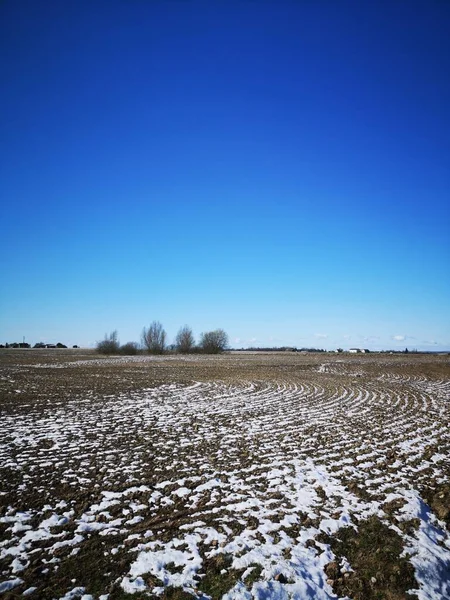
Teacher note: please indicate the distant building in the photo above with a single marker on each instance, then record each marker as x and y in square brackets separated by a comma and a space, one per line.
[354, 350]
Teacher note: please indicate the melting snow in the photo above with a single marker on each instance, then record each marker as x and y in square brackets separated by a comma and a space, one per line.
[254, 472]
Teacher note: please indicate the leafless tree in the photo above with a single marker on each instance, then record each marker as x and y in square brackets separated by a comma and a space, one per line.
[110, 345]
[185, 341]
[154, 338]
[213, 342]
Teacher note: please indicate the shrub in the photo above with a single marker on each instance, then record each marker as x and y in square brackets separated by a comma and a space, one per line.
[110, 345]
[130, 348]
[213, 342]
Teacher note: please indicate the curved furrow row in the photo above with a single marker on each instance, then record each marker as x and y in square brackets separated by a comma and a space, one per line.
[175, 477]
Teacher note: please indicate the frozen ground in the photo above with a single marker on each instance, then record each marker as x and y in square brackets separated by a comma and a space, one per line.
[237, 477]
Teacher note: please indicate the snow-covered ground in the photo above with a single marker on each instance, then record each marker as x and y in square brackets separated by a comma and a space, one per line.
[250, 475]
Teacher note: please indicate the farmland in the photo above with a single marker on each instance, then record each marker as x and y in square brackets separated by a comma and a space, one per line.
[242, 475]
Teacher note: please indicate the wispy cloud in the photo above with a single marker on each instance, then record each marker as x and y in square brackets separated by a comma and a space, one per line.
[369, 338]
[399, 338]
[321, 336]
[244, 341]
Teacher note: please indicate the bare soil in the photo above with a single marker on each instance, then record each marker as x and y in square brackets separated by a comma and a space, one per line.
[254, 475]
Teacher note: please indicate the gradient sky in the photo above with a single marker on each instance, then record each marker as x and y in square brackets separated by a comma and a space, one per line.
[280, 169]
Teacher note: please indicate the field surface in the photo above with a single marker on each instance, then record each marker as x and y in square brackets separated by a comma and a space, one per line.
[242, 476]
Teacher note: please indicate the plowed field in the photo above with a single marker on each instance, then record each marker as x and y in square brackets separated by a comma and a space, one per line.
[239, 476]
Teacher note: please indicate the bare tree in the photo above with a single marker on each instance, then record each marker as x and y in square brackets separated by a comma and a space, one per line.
[154, 338]
[213, 342]
[185, 341]
[110, 345]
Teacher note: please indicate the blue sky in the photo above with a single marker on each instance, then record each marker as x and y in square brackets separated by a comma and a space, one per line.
[277, 169]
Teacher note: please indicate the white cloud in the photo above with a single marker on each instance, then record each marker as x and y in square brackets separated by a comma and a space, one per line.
[399, 338]
[369, 338]
[321, 336]
[245, 341]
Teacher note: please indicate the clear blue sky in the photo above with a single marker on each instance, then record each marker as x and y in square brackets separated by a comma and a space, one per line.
[280, 169]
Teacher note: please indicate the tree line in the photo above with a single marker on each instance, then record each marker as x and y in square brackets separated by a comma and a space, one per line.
[154, 341]
[37, 345]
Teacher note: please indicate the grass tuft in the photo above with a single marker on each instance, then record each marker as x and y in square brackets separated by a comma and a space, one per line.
[374, 552]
